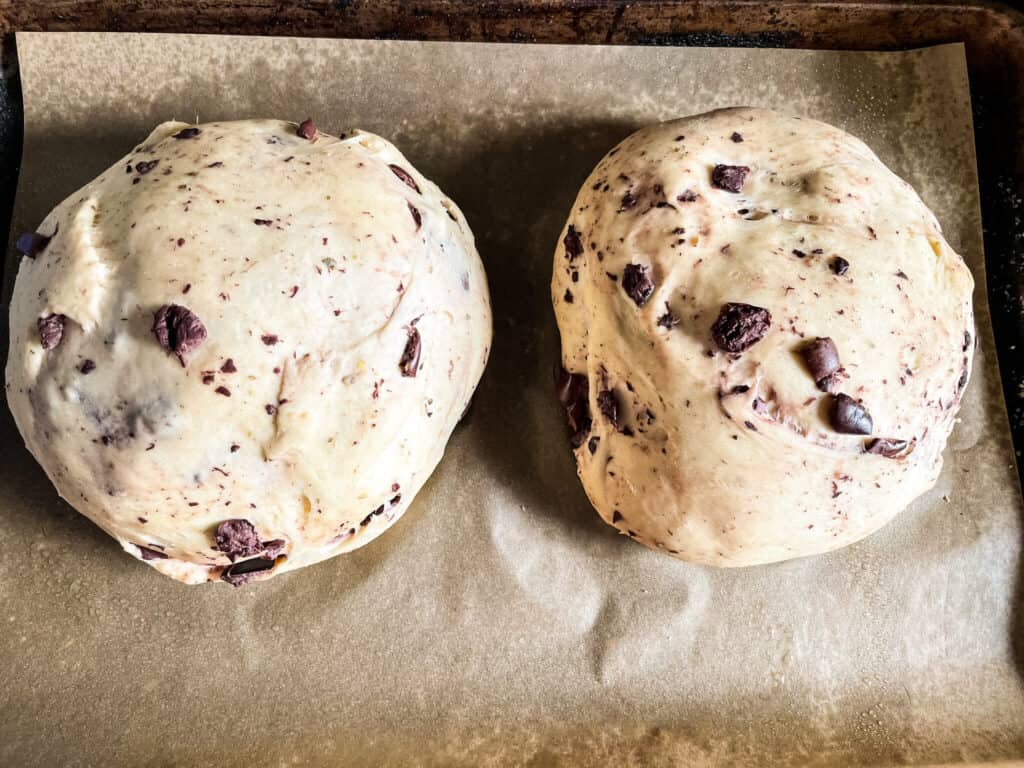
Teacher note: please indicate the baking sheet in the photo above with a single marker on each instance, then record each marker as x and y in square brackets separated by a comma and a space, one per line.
[500, 622]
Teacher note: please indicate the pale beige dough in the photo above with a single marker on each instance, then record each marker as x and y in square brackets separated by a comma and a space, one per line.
[311, 264]
[731, 459]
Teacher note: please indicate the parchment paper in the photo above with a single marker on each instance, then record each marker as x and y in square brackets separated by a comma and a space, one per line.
[500, 622]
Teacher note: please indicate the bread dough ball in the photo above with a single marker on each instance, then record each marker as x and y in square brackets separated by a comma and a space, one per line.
[242, 349]
[765, 335]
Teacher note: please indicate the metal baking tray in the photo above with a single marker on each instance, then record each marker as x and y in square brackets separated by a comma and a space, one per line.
[993, 34]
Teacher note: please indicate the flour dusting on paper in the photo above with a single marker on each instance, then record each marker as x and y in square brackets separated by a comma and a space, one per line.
[500, 621]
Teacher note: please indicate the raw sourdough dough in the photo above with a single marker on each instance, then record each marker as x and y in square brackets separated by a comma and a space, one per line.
[733, 458]
[346, 318]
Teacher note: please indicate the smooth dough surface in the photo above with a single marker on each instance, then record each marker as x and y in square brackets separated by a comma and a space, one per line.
[347, 324]
[732, 458]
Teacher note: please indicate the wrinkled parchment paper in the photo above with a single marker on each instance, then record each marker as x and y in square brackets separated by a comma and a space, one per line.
[500, 622]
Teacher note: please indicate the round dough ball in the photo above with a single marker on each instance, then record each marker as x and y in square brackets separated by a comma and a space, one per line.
[242, 349]
[766, 338]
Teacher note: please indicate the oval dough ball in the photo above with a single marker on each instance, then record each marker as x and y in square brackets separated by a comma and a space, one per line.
[242, 349]
[766, 338]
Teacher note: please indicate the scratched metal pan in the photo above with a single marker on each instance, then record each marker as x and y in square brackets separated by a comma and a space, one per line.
[993, 34]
